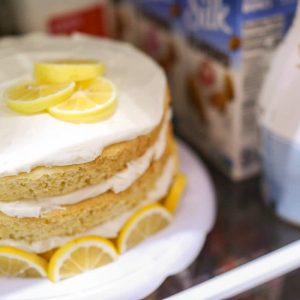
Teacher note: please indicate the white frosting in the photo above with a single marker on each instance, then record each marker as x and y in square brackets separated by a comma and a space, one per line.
[41, 140]
[119, 182]
[109, 229]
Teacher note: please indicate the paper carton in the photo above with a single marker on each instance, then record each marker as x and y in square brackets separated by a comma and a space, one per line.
[225, 49]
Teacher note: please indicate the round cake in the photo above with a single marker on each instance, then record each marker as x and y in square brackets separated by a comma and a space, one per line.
[62, 180]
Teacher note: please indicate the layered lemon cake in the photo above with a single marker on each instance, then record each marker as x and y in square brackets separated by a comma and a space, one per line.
[88, 163]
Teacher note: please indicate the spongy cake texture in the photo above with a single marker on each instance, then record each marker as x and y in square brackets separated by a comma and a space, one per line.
[86, 214]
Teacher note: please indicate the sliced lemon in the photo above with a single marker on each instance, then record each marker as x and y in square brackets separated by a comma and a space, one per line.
[61, 71]
[80, 255]
[31, 97]
[144, 223]
[19, 263]
[92, 101]
[47, 255]
[174, 196]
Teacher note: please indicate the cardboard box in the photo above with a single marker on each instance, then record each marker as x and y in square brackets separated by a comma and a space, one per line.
[225, 49]
[154, 30]
[126, 22]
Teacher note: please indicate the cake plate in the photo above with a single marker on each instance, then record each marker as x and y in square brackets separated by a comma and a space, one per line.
[141, 270]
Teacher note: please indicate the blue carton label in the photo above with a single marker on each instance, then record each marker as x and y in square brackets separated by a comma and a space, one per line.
[219, 23]
[211, 21]
[209, 16]
[215, 25]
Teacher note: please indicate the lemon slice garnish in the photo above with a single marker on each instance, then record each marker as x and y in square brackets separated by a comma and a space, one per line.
[144, 223]
[92, 101]
[172, 200]
[67, 70]
[19, 263]
[48, 254]
[31, 97]
[80, 255]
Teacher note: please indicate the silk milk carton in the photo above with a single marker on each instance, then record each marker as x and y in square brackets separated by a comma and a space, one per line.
[225, 48]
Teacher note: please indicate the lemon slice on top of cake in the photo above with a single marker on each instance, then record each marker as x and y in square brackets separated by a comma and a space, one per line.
[93, 100]
[62, 71]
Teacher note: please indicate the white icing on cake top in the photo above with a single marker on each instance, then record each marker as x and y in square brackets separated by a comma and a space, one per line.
[41, 140]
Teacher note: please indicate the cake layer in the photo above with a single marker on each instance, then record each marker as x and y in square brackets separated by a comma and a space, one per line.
[109, 229]
[82, 216]
[41, 140]
[46, 182]
[117, 183]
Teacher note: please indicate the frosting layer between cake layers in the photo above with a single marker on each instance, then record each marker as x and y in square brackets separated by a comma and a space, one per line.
[108, 229]
[41, 140]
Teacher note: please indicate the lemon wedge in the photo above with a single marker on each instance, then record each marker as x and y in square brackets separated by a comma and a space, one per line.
[172, 200]
[80, 255]
[144, 223]
[31, 97]
[19, 263]
[93, 100]
[62, 71]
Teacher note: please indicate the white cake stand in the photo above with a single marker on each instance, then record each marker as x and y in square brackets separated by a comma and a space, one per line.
[140, 271]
